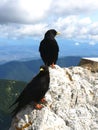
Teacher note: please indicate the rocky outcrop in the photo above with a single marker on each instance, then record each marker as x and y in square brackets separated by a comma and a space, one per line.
[72, 103]
[90, 63]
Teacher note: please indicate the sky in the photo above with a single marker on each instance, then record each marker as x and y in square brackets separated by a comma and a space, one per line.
[76, 20]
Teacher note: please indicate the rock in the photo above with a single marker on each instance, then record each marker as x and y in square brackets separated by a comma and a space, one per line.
[72, 103]
[90, 63]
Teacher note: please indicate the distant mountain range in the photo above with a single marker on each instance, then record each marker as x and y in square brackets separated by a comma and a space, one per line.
[25, 70]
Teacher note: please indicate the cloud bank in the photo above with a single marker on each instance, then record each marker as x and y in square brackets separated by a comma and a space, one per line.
[74, 19]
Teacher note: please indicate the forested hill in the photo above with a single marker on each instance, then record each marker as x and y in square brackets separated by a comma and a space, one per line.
[9, 90]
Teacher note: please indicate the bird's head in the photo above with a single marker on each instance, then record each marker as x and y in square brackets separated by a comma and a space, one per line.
[51, 33]
[44, 68]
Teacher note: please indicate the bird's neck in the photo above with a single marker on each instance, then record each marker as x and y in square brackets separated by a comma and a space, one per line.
[49, 36]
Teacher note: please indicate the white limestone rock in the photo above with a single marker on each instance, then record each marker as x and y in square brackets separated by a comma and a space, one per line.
[72, 103]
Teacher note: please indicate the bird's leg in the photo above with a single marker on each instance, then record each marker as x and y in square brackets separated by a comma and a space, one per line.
[37, 106]
[52, 65]
[43, 100]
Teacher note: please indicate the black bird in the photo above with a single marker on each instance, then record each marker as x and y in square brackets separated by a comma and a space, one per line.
[34, 91]
[49, 48]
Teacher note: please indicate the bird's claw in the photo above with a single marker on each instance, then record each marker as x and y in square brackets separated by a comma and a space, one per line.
[53, 66]
[43, 101]
[38, 106]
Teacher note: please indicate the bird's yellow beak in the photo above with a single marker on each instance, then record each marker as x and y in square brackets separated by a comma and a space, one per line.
[58, 33]
[41, 69]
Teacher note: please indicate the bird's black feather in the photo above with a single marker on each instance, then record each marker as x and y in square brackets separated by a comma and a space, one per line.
[49, 48]
[34, 91]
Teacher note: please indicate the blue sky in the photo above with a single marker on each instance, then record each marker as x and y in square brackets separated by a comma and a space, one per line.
[24, 22]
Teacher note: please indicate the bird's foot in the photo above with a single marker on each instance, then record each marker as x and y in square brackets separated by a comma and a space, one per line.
[43, 100]
[38, 106]
[53, 66]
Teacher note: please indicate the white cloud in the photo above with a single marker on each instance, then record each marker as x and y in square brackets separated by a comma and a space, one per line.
[23, 11]
[85, 21]
[22, 31]
[71, 27]
[75, 7]
[92, 43]
[81, 29]
[30, 18]
[77, 43]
